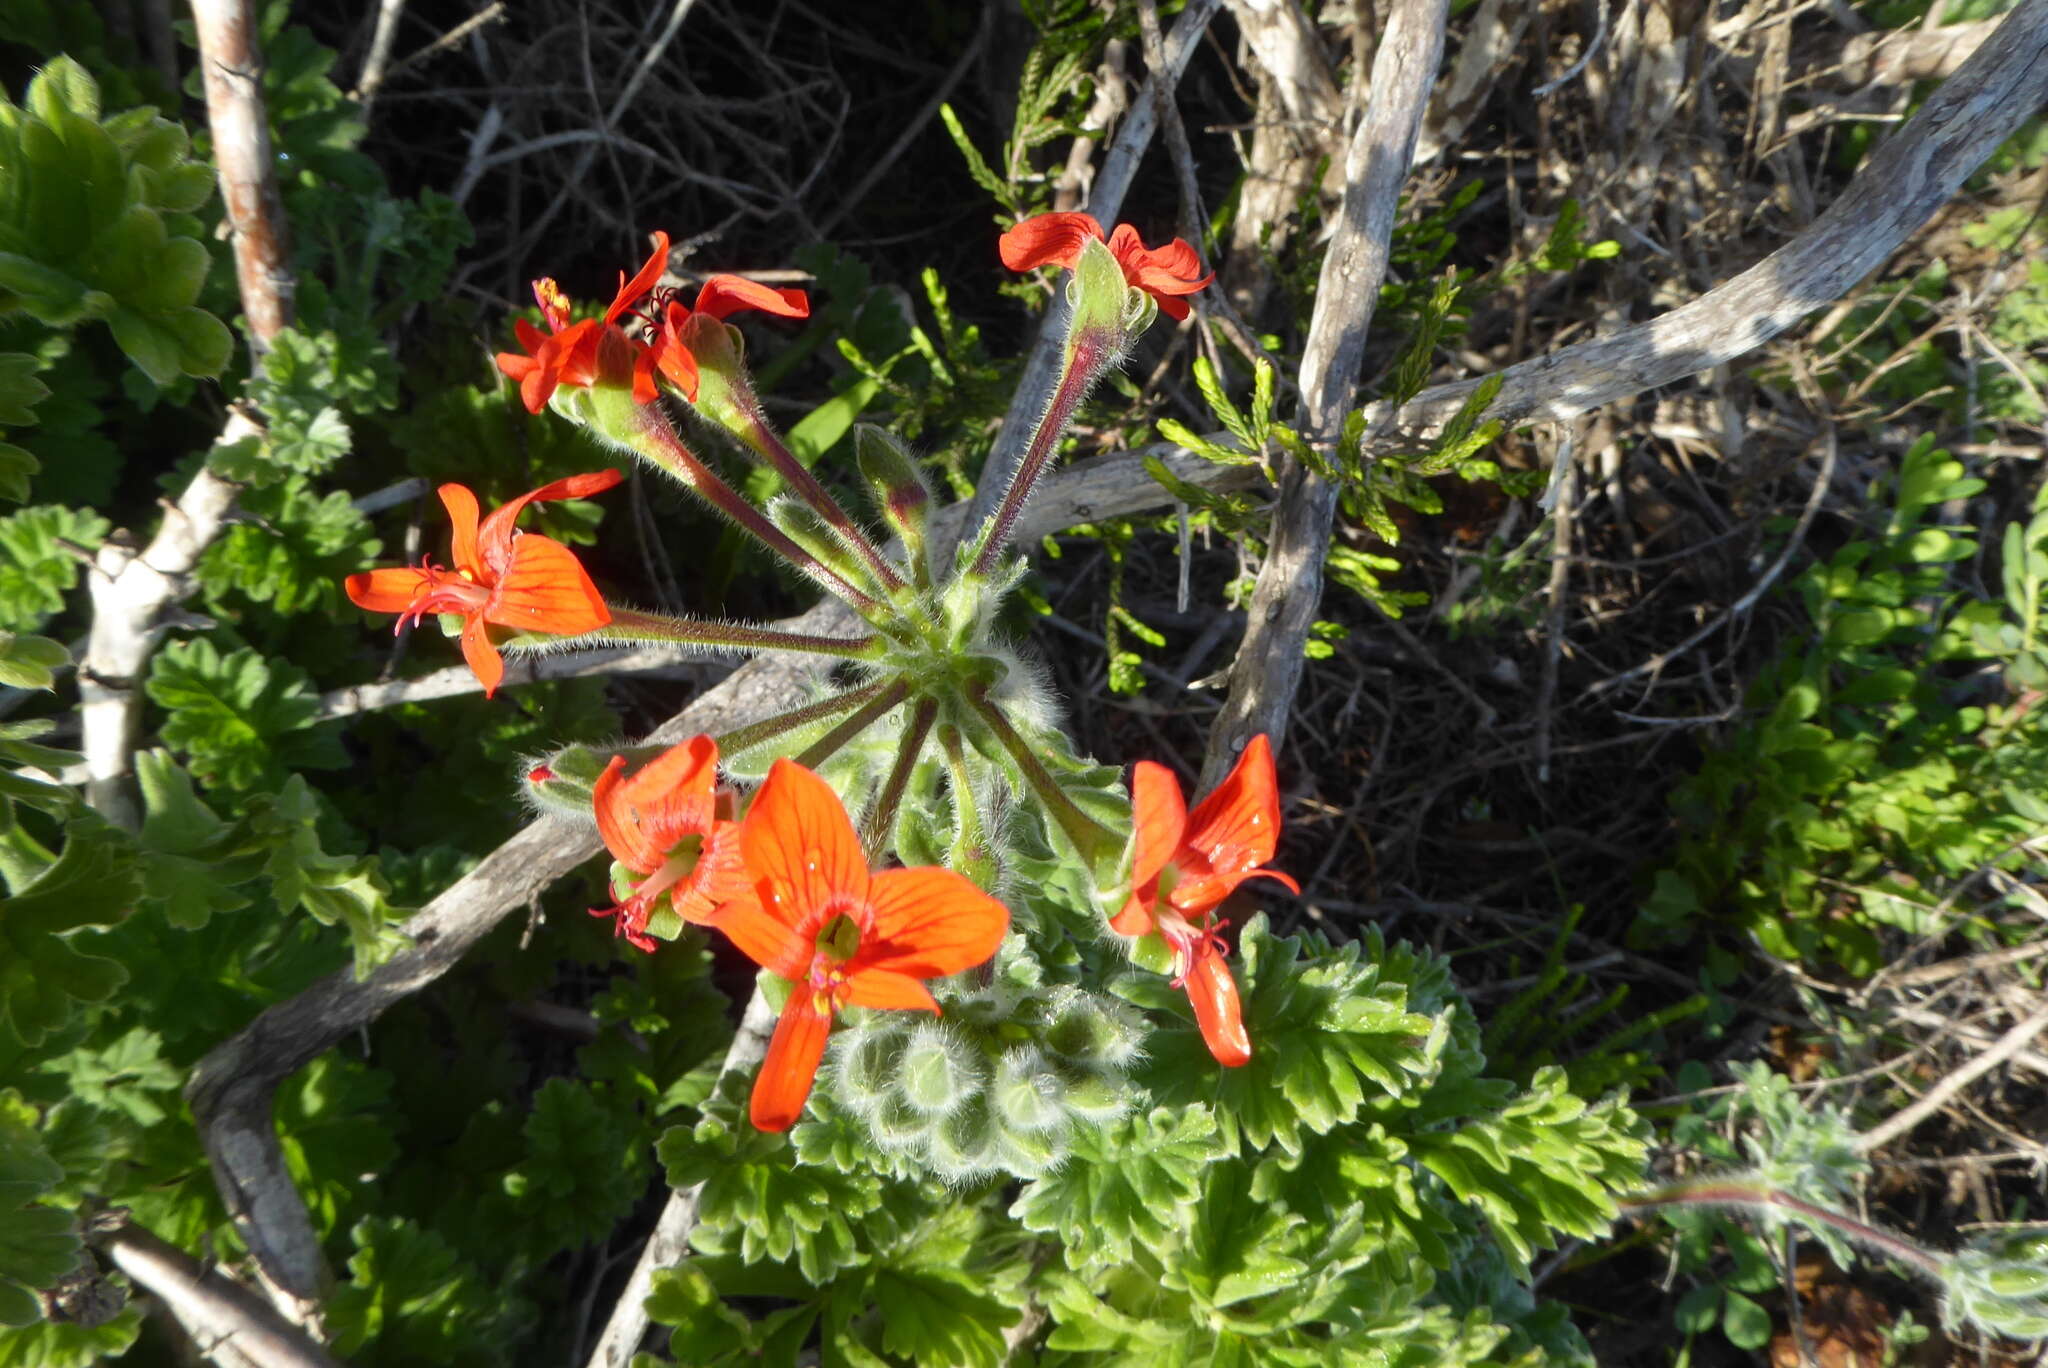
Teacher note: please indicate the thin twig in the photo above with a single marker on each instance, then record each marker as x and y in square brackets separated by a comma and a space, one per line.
[2007, 1047]
[1756, 591]
[1289, 588]
[880, 166]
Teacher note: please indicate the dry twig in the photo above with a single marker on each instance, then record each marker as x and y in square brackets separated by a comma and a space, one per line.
[1289, 589]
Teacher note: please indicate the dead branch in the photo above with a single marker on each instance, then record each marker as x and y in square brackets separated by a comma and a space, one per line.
[1905, 180]
[228, 1323]
[670, 1242]
[131, 593]
[1289, 589]
[459, 680]
[1935, 1098]
[233, 68]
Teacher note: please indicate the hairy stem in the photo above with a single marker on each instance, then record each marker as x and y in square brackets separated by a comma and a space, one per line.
[742, 739]
[752, 428]
[1088, 355]
[1741, 1192]
[881, 813]
[826, 746]
[1091, 839]
[653, 438]
[630, 624]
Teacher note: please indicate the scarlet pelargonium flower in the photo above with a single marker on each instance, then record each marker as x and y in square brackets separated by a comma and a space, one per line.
[845, 936]
[721, 297]
[590, 351]
[501, 577]
[663, 823]
[1184, 864]
[1166, 273]
[600, 351]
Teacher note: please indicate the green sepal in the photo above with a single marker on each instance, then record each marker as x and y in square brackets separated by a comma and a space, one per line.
[1098, 300]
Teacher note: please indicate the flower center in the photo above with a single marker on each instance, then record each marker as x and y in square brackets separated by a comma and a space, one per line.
[443, 591]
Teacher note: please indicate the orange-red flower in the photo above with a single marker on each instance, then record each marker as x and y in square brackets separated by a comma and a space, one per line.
[1166, 273]
[502, 577]
[845, 936]
[663, 824]
[600, 351]
[590, 351]
[1184, 864]
[721, 297]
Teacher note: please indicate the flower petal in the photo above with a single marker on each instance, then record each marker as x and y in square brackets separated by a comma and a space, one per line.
[929, 922]
[725, 295]
[1159, 820]
[1213, 993]
[484, 661]
[616, 824]
[889, 989]
[642, 282]
[673, 357]
[784, 1083]
[494, 538]
[1047, 240]
[1237, 827]
[544, 589]
[1136, 918]
[800, 844]
[391, 590]
[765, 939]
[462, 508]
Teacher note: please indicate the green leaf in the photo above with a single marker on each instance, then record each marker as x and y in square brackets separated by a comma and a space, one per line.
[940, 1316]
[38, 1244]
[1129, 1183]
[335, 890]
[293, 550]
[1747, 1325]
[42, 551]
[585, 1167]
[42, 974]
[62, 87]
[51, 1345]
[30, 662]
[1545, 1163]
[759, 1205]
[978, 168]
[243, 721]
[410, 1299]
[20, 391]
[128, 1076]
[1330, 1027]
[16, 466]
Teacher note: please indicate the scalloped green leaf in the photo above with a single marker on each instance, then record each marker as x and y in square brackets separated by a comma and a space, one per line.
[243, 721]
[1129, 1183]
[1329, 1027]
[38, 1244]
[42, 551]
[43, 975]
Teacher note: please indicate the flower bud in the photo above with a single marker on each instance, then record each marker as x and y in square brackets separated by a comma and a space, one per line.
[966, 1143]
[938, 1072]
[898, 489]
[869, 1062]
[1028, 1094]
